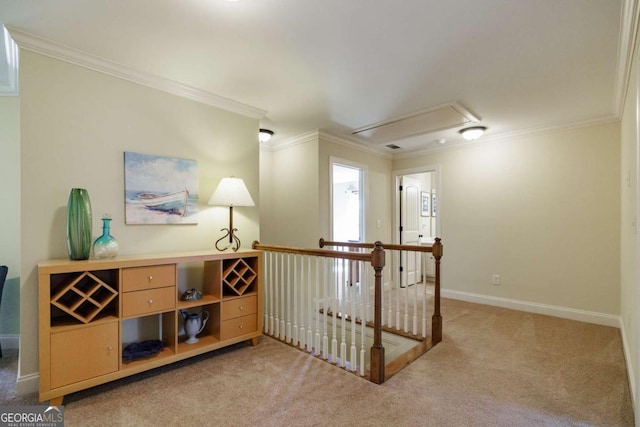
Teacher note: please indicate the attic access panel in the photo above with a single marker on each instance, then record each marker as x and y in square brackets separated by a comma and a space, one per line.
[433, 119]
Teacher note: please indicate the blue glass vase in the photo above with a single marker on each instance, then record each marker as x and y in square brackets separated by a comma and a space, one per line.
[105, 246]
[79, 224]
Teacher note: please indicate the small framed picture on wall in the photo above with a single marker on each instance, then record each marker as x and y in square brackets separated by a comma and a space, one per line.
[433, 204]
[425, 203]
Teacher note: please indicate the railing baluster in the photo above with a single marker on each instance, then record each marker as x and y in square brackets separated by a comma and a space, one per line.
[334, 323]
[352, 295]
[364, 304]
[309, 341]
[343, 295]
[265, 284]
[416, 259]
[282, 300]
[301, 306]
[325, 298]
[317, 312]
[406, 290]
[424, 298]
[294, 332]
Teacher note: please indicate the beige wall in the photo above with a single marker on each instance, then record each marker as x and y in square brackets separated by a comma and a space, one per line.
[75, 126]
[295, 191]
[629, 312]
[10, 213]
[290, 195]
[540, 210]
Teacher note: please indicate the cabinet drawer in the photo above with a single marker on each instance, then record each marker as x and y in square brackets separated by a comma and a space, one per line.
[84, 353]
[239, 326]
[239, 307]
[150, 301]
[140, 278]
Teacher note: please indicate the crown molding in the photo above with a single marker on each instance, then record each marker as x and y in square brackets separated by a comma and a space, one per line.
[508, 135]
[290, 142]
[318, 134]
[626, 49]
[355, 145]
[74, 56]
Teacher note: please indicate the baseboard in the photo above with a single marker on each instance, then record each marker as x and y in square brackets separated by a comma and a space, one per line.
[27, 384]
[10, 341]
[627, 358]
[532, 307]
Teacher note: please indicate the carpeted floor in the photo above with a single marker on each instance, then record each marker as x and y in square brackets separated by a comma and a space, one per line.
[495, 367]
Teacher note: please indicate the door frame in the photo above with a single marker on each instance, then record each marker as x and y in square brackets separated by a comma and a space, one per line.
[397, 174]
[364, 196]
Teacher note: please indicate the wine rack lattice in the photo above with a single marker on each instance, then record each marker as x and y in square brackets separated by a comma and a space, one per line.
[238, 275]
[84, 297]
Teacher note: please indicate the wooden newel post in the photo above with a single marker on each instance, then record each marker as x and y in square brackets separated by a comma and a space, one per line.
[377, 350]
[436, 319]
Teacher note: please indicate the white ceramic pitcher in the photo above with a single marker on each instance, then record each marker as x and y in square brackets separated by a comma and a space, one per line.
[194, 324]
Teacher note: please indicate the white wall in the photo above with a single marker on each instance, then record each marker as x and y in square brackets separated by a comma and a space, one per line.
[542, 210]
[10, 215]
[75, 126]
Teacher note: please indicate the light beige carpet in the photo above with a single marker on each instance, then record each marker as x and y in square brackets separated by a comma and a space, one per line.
[495, 367]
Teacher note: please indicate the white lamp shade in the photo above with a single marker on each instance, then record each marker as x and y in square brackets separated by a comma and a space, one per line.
[231, 192]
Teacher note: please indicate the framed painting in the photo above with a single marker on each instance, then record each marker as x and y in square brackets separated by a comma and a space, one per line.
[160, 190]
[425, 203]
[433, 204]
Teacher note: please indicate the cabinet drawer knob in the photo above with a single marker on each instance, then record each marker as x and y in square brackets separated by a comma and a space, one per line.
[240, 326]
[150, 278]
[150, 301]
[241, 308]
[109, 348]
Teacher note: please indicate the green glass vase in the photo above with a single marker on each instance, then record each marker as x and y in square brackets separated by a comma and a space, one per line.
[105, 246]
[79, 224]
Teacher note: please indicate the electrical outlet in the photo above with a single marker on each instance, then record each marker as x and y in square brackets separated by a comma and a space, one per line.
[495, 279]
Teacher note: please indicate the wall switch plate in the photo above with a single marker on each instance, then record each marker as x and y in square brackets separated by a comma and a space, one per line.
[495, 279]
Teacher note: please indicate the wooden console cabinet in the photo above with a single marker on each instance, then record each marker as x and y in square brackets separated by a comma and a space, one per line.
[85, 308]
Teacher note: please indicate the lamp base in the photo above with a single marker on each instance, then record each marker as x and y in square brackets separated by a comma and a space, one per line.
[233, 240]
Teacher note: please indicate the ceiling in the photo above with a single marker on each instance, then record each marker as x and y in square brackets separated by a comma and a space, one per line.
[338, 66]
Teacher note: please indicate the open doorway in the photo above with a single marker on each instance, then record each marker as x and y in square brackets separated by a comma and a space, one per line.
[347, 201]
[416, 220]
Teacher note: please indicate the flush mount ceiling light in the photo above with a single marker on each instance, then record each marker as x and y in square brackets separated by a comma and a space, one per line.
[472, 133]
[264, 135]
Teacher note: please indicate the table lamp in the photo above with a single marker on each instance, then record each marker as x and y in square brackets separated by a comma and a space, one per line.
[230, 192]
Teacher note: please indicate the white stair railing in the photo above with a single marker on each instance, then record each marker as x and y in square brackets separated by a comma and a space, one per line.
[324, 301]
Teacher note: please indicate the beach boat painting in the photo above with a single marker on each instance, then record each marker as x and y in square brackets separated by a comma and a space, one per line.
[160, 190]
[171, 203]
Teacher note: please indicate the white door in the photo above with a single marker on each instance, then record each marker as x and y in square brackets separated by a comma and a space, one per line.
[409, 229]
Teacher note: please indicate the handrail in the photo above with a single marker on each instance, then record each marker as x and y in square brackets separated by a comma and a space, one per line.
[436, 248]
[377, 259]
[354, 256]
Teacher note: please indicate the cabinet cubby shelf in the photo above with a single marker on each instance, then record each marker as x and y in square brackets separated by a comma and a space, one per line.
[77, 297]
[206, 299]
[238, 275]
[88, 309]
